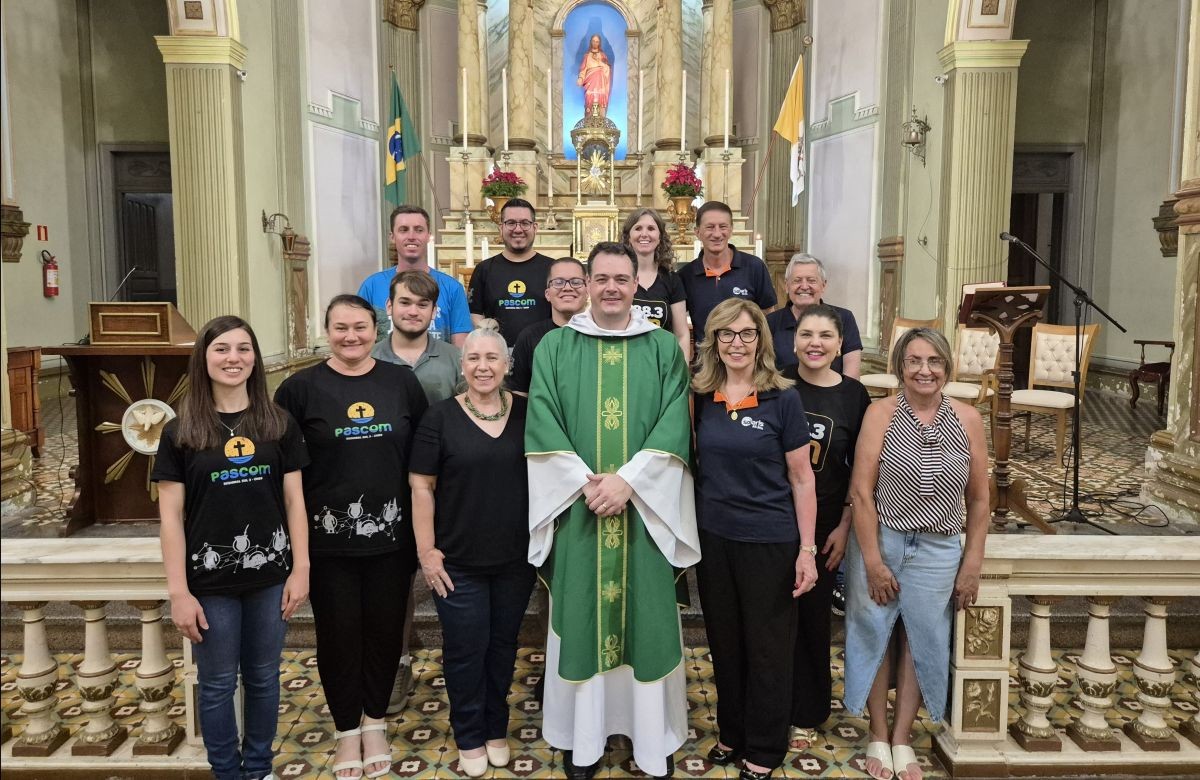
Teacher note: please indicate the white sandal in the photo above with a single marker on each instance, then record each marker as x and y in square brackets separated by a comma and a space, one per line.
[904, 756]
[380, 758]
[344, 765]
[882, 752]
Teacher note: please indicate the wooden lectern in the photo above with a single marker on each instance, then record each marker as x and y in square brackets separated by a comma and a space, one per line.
[127, 385]
[1005, 310]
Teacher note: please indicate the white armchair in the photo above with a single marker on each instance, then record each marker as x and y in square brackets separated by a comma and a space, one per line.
[1051, 362]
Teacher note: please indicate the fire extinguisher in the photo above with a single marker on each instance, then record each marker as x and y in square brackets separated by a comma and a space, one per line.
[49, 275]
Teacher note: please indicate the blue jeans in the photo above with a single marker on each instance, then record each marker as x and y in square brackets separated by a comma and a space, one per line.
[244, 632]
[481, 618]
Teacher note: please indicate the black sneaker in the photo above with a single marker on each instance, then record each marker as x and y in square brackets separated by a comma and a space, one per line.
[839, 601]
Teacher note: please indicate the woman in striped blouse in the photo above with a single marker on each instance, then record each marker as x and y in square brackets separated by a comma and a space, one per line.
[920, 475]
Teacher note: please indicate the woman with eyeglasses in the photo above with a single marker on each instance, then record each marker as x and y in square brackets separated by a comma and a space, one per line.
[756, 508]
[660, 293]
[920, 473]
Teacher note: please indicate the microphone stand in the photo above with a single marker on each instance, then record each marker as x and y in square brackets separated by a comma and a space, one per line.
[1074, 514]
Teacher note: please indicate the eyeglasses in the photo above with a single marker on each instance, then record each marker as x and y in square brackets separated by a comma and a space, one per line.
[748, 336]
[916, 363]
[513, 224]
[575, 282]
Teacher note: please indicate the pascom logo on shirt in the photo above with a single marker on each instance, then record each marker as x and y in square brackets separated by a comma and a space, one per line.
[516, 288]
[361, 414]
[240, 451]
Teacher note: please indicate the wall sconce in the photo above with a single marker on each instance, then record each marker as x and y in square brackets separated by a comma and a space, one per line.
[915, 130]
[286, 234]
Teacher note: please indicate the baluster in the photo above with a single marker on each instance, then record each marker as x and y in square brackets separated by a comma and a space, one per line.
[1191, 729]
[36, 679]
[155, 680]
[1039, 676]
[1154, 674]
[97, 679]
[1097, 680]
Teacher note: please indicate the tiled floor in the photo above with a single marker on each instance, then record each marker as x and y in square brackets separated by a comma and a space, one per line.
[423, 745]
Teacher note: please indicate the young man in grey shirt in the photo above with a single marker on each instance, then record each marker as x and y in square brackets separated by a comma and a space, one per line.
[412, 299]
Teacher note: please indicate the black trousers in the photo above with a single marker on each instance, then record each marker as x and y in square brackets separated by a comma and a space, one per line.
[750, 617]
[812, 678]
[358, 605]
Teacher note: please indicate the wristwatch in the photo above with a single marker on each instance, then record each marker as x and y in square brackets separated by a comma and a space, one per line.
[811, 549]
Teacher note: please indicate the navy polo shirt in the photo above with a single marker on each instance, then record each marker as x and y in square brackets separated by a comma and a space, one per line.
[742, 487]
[747, 277]
[783, 331]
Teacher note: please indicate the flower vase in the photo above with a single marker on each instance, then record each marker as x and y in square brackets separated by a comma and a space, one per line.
[683, 214]
[497, 206]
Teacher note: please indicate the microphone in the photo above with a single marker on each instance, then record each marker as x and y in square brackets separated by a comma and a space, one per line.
[1006, 236]
[121, 286]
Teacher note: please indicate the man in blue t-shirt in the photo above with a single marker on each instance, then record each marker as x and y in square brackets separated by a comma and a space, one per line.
[411, 236]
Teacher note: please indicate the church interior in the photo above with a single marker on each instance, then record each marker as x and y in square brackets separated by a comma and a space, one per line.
[206, 157]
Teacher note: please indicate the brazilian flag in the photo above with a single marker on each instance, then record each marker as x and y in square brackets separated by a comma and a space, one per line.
[400, 146]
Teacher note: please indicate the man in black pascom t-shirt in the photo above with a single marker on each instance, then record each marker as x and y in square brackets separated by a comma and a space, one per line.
[510, 287]
[235, 521]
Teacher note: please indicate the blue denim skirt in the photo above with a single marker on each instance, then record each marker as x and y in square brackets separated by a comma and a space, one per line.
[925, 565]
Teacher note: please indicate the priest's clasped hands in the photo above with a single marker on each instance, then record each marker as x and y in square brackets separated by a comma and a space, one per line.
[607, 494]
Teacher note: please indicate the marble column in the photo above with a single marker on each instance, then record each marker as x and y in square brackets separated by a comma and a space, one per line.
[980, 117]
[204, 112]
[784, 222]
[707, 123]
[522, 105]
[402, 56]
[670, 75]
[1174, 453]
[720, 62]
[470, 56]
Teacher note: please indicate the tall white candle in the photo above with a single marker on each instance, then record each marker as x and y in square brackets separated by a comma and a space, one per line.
[696, 247]
[550, 180]
[484, 255]
[727, 109]
[549, 113]
[683, 114]
[463, 122]
[431, 256]
[470, 245]
[758, 245]
[504, 103]
[641, 113]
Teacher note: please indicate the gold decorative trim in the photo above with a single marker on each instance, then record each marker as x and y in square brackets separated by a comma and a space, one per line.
[982, 54]
[179, 50]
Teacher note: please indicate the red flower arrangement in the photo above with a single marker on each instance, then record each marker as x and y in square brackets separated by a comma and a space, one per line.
[503, 184]
[682, 181]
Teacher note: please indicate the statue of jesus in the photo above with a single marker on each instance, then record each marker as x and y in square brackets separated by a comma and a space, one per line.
[595, 76]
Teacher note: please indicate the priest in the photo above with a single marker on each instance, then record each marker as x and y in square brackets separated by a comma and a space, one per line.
[612, 523]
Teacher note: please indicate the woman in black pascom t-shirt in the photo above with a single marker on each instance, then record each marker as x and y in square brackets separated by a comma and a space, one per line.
[234, 538]
[358, 415]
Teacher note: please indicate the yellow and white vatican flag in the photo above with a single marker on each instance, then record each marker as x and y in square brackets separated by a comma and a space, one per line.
[790, 125]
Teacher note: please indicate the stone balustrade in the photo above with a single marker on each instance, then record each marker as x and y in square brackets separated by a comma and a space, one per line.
[91, 574]
[986, 737]
[986, 734]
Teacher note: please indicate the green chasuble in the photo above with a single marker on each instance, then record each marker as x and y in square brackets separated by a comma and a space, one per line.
[605, 399]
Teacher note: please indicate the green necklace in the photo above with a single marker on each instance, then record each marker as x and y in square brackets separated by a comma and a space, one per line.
[478, 415]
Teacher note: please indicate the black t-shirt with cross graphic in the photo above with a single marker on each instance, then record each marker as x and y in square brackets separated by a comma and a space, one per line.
[514, 294]
[234, 519]
[359, 431]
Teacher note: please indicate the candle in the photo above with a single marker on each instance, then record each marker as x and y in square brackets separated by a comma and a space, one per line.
[470, 245]
[549, 114]
[431, 258]
[641, 113]
[727, 109]
[758, 245]
[696, 247]
[463, 122]
[683, 114]
[504, 103]
[484, 253]
[550, 179]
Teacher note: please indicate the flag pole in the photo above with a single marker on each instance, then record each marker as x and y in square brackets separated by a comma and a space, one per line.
[758, 178]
